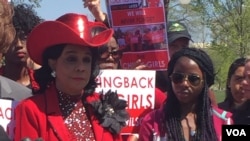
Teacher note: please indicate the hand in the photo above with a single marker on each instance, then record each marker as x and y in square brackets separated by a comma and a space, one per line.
[138, 65]
[133, 137]
[94, 7]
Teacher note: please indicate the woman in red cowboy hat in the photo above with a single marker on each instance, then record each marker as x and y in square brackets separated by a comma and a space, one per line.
[66, 107]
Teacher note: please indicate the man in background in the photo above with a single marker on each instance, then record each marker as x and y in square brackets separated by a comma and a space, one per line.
[178, 38]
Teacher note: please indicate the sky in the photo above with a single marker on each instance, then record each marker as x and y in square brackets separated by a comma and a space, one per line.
[52, 9]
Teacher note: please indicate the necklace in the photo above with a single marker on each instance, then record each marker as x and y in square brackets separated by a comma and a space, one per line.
[67, 103]
[192, 133]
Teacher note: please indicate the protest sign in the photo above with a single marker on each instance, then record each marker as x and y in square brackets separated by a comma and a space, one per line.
[137, 87]
[140, 29]
[7, 116]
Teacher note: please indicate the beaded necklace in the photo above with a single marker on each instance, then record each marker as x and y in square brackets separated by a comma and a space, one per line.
[75, 116]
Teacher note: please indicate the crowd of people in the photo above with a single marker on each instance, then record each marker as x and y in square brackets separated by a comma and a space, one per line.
[54, 80]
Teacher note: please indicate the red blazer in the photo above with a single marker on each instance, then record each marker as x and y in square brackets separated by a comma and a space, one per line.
[152, 127]
[40, 116]
[160, 97]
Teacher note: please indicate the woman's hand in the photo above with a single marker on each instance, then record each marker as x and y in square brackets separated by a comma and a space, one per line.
[94, 7]
[138, 65]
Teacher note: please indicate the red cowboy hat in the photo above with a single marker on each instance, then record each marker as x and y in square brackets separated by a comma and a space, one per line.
[70, 28]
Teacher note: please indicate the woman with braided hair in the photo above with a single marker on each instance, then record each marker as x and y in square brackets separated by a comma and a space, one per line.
[187, 114]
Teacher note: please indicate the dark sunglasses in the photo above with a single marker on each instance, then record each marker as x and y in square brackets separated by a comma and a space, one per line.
[104, 54]
[193, 79]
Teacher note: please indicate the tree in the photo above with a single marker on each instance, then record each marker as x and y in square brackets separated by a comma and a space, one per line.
[229, 25]
[223, 24]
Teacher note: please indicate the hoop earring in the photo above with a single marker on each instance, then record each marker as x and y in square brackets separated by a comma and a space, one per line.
[53, 74]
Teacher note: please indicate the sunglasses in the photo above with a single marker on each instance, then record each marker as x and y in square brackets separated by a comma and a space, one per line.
[115, 54]
[193, 79]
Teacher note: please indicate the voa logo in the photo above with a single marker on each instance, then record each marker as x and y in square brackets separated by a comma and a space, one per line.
[236, 132]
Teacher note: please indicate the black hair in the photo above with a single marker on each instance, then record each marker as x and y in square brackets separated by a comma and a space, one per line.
[43, 75]
[205, 126]
[96, 31]
[161, 80]
[240, 62]
[25, 19]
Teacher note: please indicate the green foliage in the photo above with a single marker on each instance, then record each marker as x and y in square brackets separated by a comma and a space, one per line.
[222, 24]
[219, 95]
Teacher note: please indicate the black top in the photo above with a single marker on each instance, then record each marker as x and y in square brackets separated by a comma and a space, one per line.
[3, 135]
[242, 114]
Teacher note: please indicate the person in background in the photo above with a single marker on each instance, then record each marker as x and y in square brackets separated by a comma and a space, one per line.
[16, 59]
[187, 113]
[95, 8]
[9, 89]
[66, 106]
[136, 41]
[110, 55]
[109, 58]
[242, 114]
[234, 92]
[178, 38]
[246, 81]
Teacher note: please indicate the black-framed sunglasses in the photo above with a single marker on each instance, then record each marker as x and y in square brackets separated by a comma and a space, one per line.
[193, 79]
[105, 53]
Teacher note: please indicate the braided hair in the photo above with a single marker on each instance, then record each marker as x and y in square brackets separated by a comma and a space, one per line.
[204, 121]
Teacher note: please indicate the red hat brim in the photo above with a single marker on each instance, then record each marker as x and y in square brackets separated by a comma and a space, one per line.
[52, 33]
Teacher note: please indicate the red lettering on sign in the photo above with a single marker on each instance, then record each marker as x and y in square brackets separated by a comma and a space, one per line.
[6, 113]
[134, 121]
[139, 101]
[125, 82]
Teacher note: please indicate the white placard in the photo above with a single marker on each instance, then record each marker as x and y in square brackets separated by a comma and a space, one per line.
[7, 116]
[137, 87]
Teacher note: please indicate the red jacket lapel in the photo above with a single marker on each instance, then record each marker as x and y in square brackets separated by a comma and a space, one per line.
[54, 114]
